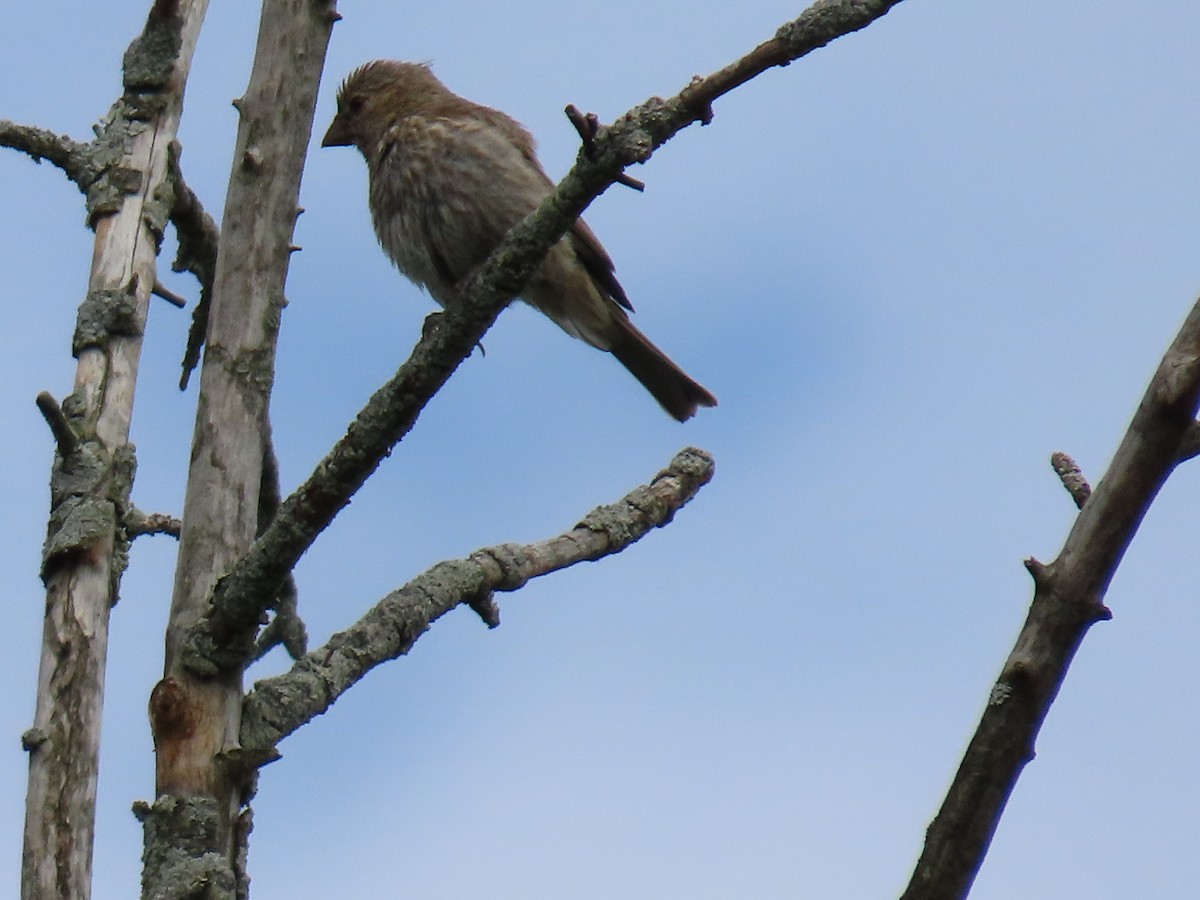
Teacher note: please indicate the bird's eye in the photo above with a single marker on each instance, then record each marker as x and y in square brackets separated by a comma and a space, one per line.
[355, 104]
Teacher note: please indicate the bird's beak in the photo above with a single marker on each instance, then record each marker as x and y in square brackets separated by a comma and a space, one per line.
[337, 135]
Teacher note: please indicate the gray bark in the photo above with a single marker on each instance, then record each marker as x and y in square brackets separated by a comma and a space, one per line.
[278, 706]
[195, 829]
[1068, 599]
[86, 546]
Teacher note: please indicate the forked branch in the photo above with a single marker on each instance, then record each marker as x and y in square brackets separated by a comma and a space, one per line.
[224, 638]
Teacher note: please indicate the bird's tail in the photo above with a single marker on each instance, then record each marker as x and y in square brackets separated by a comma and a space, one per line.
[671, 386]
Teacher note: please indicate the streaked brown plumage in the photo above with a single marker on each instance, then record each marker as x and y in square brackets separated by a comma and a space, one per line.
[449, 177]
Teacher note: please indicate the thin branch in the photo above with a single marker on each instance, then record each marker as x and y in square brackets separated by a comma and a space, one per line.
[1072, 479]
[278, 706]
[73, 157]
[224, 637]
[588, 127]
[286, 628]
[138, 523]
[163, 292]
[1068, 599]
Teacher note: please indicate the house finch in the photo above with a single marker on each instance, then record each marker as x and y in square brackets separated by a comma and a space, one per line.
[449, 177]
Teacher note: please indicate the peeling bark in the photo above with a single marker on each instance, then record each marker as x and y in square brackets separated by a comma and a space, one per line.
[86, 547]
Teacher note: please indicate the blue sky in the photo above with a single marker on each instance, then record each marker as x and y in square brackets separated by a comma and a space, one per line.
[910, 266]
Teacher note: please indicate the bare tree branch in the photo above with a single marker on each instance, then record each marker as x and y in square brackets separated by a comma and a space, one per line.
[95, 169]
[74, 158]
[588, 127]
[225, 636]
[276, 707]
[163, 292]
[64, 433]
[138, 523]
[1068, 599]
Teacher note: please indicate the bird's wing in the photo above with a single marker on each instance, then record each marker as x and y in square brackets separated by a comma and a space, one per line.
[597, 262]
[587, 246]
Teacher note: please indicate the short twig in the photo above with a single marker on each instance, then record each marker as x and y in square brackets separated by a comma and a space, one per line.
[161, 290]
[64, 434]
[486, 607]
[286, 628]
[1072, 478]
[588, 127]
[138, 523]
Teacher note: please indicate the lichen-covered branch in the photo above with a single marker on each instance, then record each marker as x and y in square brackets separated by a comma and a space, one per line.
[1068, 599]
[60, 426]
[276, 707]
[1072, 478]
[138, 523]
[225, 636]
[123, 173]
[199, 239]
[95, 168]
[74, 158]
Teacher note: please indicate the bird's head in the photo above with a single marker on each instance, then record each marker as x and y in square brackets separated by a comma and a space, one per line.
[377, 95]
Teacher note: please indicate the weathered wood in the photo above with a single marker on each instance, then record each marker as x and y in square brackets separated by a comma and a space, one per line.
[86, 546]
[196, 824]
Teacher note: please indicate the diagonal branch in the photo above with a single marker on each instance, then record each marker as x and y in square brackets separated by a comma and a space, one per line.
[225, 636]
[1068, 599]
[278, 706]
[74, 158]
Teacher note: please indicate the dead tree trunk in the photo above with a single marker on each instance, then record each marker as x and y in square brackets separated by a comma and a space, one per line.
[196, 828]
[87, 543]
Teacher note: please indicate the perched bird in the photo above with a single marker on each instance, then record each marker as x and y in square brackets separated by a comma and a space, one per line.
[449, 177]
